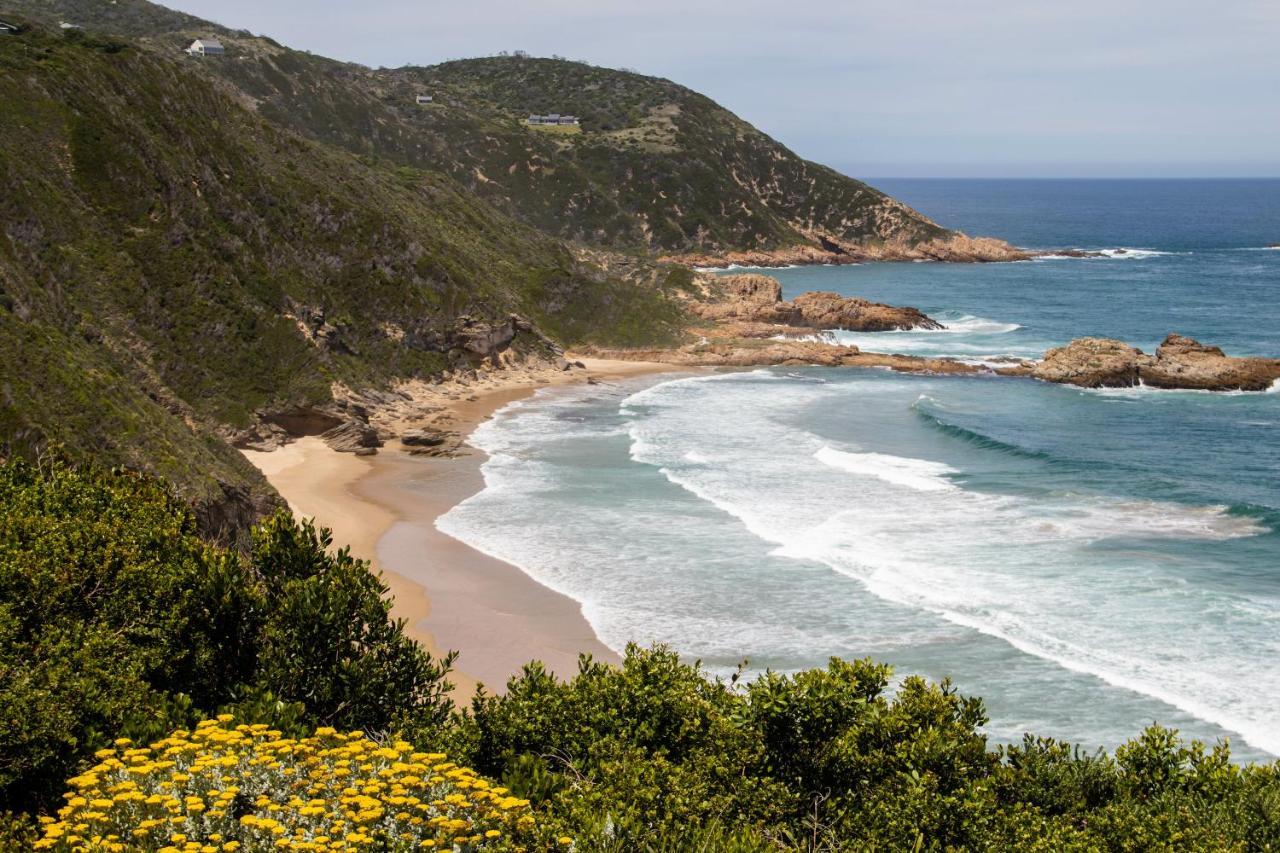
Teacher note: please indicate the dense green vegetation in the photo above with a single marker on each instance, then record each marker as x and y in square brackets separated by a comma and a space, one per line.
[115, 619]
[658, 166]
[168, 258]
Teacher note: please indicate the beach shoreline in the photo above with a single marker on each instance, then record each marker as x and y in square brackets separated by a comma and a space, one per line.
[450, 596]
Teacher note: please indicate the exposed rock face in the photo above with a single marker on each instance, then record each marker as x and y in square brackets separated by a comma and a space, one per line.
[754, 298]
[1091, 363]
[352, 436]
[1179, 362]
[487, 340]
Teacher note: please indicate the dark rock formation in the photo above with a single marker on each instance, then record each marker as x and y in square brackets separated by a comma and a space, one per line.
[352, 437]
[423, 438]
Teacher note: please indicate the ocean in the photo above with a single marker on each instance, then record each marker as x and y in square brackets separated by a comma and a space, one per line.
[1088, 562]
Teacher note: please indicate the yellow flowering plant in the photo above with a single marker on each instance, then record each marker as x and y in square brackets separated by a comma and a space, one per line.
[228, 787]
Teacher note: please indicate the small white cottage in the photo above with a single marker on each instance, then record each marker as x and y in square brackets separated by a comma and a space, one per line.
[423, 99]
[206, 47]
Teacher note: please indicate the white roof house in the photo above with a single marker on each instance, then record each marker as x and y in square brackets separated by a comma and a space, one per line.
[6, 27]
[423, 99]
[553, 118]
[206, 47]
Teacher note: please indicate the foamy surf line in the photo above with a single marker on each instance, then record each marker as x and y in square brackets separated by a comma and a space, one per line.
[1084, 523]
[1122, 253]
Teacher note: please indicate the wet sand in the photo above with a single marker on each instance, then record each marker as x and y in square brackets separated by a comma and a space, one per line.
[450, 595]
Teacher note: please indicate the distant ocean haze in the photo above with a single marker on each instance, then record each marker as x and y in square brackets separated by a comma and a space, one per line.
[1087, 561]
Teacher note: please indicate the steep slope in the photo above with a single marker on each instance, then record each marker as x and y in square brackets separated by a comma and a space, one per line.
[172, 264]
[656, 166]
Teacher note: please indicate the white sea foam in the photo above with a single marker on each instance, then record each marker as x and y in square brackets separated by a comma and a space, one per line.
[1121, 253]
[1068, 577]
[919, 474]
[1000, 565]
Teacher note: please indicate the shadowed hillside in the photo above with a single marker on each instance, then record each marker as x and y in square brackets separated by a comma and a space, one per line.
[172, 264]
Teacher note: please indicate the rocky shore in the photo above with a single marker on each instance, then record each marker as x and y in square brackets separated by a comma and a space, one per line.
[959, 248]
[736, 321]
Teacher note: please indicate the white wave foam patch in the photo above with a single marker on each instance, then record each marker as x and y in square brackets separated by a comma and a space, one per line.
[1076, 579]
[1122, 253]
[1087, 581]
[919, 474]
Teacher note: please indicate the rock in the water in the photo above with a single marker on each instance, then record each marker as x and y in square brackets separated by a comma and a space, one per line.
[1091, 363]
[823, 310]
[352, 437]
[1180, 362]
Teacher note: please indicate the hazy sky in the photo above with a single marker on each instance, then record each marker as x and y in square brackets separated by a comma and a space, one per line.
[912, 87]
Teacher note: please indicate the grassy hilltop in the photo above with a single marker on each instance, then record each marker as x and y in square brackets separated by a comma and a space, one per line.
[657, 166]
[172, 263]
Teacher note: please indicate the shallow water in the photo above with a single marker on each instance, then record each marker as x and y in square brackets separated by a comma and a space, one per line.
[1086, 561]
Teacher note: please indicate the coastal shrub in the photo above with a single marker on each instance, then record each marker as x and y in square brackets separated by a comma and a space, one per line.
[657, 755]
[245, 787]
[117, 619]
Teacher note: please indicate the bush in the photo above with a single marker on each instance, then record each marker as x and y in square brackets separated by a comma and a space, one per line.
[245, 787]
[115, 618]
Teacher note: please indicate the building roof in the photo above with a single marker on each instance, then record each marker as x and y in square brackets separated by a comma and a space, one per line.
[208, 44]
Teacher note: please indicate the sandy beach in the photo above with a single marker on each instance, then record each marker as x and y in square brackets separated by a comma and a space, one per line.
[451, 596]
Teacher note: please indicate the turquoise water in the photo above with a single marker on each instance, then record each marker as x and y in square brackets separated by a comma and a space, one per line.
[1087, 561]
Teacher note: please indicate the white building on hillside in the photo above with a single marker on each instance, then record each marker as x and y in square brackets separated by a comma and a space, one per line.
[552, 119]
[206, 47]
[423, 99]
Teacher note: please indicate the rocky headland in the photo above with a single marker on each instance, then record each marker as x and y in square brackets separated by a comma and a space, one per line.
[955, 248]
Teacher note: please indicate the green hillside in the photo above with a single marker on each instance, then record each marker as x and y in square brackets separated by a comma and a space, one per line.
[657, 166]
[167, 258]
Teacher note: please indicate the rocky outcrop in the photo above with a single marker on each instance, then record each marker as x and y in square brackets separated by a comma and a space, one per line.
[353, 436]
[1089, 363]
[426, 441]
[823, 310]
[1179, 363]
[754, 298]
